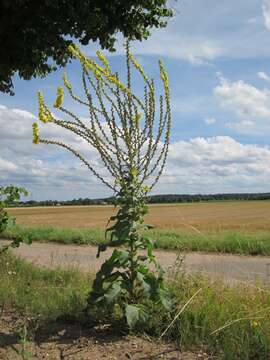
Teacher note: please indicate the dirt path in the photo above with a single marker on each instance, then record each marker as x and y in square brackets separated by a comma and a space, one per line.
[251, 269]
[66, 341]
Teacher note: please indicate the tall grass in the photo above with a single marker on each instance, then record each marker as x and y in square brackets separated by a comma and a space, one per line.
[55, 234]
[41, 292]
[219, 242]
[222, 242]
[229, 323]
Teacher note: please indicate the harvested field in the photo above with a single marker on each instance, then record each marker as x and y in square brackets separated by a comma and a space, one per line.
[248, 216]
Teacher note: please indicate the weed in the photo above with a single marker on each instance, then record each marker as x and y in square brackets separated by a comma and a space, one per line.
[25, 331]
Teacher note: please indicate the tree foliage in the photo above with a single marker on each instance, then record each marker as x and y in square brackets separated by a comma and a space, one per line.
[32, 33]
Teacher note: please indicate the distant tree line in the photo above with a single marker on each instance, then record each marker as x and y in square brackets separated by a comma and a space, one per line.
[154, 199]
[174, 198]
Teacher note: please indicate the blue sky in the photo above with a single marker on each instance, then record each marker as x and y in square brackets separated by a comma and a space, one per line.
[218, 58]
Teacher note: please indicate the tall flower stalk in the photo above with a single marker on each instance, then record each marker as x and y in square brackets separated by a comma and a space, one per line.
[131, 135]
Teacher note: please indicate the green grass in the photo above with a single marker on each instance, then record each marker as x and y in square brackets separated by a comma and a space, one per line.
[36, 292]
[219, 242]
[41, 292]
[246, 309]
[55, 234]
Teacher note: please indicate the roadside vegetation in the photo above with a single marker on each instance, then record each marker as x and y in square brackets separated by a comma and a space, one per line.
[8, 195]
[39, 292]
[225, 241]
[224, 322]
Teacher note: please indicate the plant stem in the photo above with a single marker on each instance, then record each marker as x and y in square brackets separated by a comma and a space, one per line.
[132, 267]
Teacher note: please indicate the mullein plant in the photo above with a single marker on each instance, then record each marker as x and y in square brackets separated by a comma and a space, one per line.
[131, 135]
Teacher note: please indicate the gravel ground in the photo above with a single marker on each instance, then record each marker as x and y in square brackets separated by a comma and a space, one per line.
[231, 268]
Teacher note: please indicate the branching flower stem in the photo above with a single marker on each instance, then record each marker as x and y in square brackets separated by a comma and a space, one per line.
[132, 143]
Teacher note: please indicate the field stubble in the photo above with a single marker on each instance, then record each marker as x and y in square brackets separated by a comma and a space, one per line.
[246, 216]
[224, 227]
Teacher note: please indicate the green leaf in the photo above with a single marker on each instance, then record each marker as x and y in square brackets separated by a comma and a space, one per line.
[166, 299]
[143, 283]
[113, 293]
[135, 315]
[143, 269]
[123, 256]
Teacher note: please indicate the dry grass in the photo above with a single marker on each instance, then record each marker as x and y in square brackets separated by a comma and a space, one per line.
[231, 323]
[248, 216]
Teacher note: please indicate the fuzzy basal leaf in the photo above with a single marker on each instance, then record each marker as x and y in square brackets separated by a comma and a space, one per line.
[113, 293]
[135, 315]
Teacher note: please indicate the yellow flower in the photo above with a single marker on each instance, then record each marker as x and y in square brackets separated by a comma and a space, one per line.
[41, 107]
[146, 188]
[104, 60]
[138, 66]
[96, 69]
[74, 50]
[35, 133]
[165, 78]
[254, 323]
[43, 113]
[134, 171]
[66, 82]
[60, 97]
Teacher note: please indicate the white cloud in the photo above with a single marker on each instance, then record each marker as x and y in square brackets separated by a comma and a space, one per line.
[233, 31]
[177, 46]
[210, 120]
[171, 43]
[250, 105]
[46, 171]
[244, 99]
[266, 13]
[242, 126]
[178, 40]
[7, 165]
[253, 20]
[262, 75]
[217, 164]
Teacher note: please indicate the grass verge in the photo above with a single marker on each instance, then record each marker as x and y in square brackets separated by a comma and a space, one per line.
[219, 242]
[230, 323]
[40, 292]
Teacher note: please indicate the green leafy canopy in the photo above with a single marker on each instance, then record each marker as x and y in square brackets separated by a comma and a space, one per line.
[35, 35]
